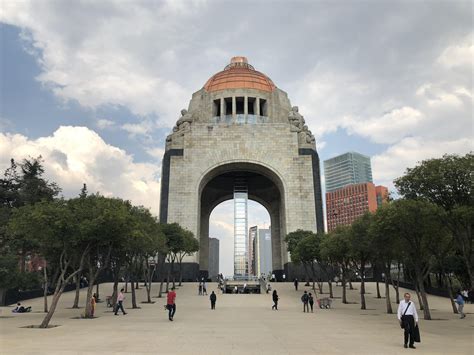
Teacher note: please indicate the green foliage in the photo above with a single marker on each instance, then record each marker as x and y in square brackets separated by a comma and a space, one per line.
[446, 182]
[293, 239]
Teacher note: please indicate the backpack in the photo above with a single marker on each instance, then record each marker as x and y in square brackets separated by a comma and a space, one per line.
[304, 298]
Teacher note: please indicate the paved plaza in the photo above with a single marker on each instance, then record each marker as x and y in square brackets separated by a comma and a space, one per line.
[241, 324]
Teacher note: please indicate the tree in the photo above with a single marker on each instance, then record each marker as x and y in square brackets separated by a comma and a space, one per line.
[104, 224]
[190, 246]
[17, 190]
[336, 247]
[175, 243]
[387, 248]
[292, 241]
[53, 226]
[419, 225]
[447, 182]
[361, 246]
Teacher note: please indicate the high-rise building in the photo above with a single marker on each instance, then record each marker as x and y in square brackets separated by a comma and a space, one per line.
[213, 258]
[346, 204]
[240, 227]
[262, 251]
[381, 193]
[253, 231]
[346, 169]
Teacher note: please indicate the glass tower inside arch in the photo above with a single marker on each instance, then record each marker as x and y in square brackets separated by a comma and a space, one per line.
[240, 228]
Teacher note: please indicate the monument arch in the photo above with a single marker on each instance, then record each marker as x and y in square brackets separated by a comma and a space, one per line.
[240, 131]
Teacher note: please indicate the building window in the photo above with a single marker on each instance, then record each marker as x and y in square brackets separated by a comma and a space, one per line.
[228, 106]
[216, 110]
[239, 105]
[251, 105]
[263, 107]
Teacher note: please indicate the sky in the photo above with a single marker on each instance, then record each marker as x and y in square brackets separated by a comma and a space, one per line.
[95, 86]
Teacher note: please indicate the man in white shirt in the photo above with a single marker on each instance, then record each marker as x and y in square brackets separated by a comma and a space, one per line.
[408, 319]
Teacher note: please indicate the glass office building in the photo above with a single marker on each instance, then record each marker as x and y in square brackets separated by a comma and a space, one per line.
[346, 169]
[240, 228]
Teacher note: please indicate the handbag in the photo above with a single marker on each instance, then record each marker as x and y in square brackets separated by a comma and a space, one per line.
[417, 334]
[402, 323]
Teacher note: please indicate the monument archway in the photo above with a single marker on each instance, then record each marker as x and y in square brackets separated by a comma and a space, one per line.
[240, 128]
[263, 186]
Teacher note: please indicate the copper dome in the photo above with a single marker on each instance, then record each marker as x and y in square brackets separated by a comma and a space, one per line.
[239, 75]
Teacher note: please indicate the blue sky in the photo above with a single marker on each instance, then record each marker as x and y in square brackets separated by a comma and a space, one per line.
[96, 87]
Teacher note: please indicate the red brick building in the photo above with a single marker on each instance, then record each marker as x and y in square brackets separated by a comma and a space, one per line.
[344, 205]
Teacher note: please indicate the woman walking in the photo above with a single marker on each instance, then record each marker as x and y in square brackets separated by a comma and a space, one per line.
[275, 300]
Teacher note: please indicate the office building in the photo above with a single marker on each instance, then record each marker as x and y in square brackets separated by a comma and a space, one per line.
[346, 204]
[346, 169]
[213, 258]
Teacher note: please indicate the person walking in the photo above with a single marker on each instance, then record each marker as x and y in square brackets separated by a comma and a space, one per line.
[311, 301]
[275, 300]
[204, 288]
[119, 305]
[296, 284]
[213, 299]
[200, 288]
[170, 304]
[305, 299]
[408, 318]
[460, 302]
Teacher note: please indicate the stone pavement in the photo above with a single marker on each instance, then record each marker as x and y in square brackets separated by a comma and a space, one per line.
[241, 324]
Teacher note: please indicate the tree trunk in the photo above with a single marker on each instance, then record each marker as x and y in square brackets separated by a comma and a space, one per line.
[90, 288]
[424, 297]
[397, 290]
[115, 291]
[417, 290]
[350, 285]
[450, 294]
[149, 279]
[161, 288]
[97, 287]
[180, 272]
[78, 288]
[173, 273]
[378, 288]
[362, 288]
[45, 289]
[134, 296]
[344, 297]
[331, 295]
[387, 297]
[57, 294]
[136, 285]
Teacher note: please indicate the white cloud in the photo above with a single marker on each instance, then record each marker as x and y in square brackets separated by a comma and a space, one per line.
[390, 127]
[156, 152]
[401, 81]
[409, 151]
[77, 155]
[104, 123]
[138, 129]
[458, 55]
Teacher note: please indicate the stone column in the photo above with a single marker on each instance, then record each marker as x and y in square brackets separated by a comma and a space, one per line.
[257, 103]
[222, 103]
[204, 240]
[246, 108]
[234, 107]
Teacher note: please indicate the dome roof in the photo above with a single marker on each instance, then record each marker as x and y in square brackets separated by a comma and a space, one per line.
[239, 75]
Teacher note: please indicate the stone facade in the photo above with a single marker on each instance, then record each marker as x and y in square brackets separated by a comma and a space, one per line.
[275, 143]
